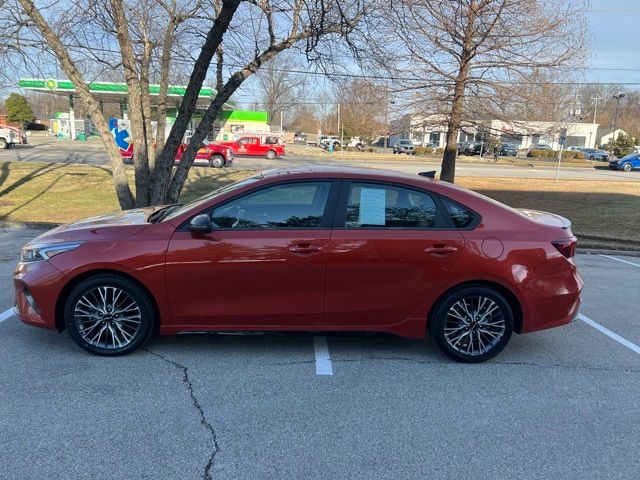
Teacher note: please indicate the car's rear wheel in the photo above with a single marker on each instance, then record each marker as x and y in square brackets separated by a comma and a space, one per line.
[216, 161]
[472, 324]
[592, 157]
[109, 315]
[3, 144]
[270, 155]
[627, 167]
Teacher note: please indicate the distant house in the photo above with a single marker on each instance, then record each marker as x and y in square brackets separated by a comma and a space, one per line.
[605, 134]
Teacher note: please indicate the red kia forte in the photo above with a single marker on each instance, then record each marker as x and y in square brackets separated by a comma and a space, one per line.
[308, 248]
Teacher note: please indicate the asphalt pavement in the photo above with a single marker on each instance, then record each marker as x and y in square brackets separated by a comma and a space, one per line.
[92, 153]
[561, 403]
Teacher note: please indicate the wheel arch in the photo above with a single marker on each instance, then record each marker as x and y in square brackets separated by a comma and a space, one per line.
[514, 303]
[70, 285]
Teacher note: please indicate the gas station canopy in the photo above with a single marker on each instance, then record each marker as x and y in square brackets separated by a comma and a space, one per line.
[111, 92]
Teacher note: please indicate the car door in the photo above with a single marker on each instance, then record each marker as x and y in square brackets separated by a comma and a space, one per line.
[264, 263]
[388, 253]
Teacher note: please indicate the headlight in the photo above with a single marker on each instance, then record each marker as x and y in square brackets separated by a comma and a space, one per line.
[38, 252]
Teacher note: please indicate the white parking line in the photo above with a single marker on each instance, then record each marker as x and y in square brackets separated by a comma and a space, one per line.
[323, 360]
[610, 334]
[6, 314]
[623, 261]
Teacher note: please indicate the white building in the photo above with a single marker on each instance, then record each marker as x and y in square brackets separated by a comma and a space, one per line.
[524, 134]
[607, 134]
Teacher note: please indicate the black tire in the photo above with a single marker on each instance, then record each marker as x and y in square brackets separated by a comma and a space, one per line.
[336, 146]
[3, 144]
[627, 167]
[85, 289]
[592, 157]
[270, 155]
[441, 318]
[216, 161]
[360, 147]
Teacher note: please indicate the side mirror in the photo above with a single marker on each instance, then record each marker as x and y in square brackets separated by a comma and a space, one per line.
[201, 224]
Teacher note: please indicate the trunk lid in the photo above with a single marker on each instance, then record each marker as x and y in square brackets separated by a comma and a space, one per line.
[546, 218]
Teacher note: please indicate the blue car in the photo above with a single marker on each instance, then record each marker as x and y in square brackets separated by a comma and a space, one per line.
[628, 163]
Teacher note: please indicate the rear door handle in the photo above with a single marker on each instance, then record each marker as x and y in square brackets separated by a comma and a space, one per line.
[440, 249]
[305, 249]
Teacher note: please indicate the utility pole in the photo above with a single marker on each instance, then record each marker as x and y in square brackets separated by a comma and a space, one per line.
[595, 108]
[617, 97]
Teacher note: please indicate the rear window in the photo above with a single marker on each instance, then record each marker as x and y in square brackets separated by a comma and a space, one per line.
[460, 216]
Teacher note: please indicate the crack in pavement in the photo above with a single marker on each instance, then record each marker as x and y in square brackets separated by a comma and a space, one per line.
[206, 475]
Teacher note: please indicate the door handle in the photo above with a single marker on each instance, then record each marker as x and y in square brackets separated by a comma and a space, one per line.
[305, 248]
[440, 249]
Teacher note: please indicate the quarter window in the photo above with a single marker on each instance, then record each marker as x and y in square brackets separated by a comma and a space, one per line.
[375, 205]
[460, 216]
[291, 205]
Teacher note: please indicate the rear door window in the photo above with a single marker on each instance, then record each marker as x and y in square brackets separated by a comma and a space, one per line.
[388, 206]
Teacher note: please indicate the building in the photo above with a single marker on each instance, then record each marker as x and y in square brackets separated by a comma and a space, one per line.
[432, 129]
[607, 134]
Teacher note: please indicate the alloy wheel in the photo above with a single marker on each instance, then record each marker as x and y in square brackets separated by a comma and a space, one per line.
[474, 325]
[107, 317]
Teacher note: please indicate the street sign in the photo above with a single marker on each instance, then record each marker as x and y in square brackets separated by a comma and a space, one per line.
[563, 136]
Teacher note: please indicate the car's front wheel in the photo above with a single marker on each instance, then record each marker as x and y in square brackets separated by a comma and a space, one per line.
[109, 315]
[217, 161]
[472, 324]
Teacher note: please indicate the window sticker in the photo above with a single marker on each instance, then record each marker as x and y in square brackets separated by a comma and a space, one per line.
[372, 206]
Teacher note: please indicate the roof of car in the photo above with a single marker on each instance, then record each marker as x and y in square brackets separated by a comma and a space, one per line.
[339, 171]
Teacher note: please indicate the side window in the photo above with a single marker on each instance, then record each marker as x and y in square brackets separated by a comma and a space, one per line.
[460, 216]
[375, 205]
[291, 205]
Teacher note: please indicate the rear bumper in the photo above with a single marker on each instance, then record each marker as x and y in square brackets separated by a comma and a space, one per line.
[552, 301]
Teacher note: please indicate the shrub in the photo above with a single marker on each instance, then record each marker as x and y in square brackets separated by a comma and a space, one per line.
[439, 151]
[423, 150]
[571, 155]
[542, 153]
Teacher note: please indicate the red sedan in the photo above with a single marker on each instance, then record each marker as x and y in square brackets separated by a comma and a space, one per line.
[310, 248]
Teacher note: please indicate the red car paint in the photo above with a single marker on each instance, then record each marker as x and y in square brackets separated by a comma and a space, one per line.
[336, 279]
[255, 146]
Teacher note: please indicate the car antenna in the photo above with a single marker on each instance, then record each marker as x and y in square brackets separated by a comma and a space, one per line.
[429, 174]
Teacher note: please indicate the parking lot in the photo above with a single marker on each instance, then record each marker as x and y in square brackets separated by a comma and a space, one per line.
[562, 403]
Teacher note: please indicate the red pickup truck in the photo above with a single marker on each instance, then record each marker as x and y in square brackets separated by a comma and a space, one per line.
[217, 156]
[255, 146]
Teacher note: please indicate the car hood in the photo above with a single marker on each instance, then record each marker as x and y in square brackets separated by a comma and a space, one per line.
[111, 226]
[546, 218]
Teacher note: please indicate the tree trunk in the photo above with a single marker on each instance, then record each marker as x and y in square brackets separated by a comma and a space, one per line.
[165, 159]
[123, 191]
[448, 171]
[136, 110]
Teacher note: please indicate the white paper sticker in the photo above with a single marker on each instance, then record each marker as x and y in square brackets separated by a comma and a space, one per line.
[372, 206]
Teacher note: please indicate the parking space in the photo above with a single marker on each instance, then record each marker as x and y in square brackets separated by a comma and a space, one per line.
[560, 403]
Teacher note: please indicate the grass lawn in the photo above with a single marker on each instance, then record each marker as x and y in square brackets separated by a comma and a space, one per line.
[604, 214]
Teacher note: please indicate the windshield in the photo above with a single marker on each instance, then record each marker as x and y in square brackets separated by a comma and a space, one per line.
[205, 198]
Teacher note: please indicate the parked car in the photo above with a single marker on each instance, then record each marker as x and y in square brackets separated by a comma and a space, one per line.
[10, 136]
[380, 142]
[214, 155]
[596, 154]
[476, 148]
[627, 163]
[404, 146]
[462, 147]
[508, 150]
[539, 146]
[307, 249]
[256, 146]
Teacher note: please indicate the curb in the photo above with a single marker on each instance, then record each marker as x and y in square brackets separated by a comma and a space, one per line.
[599, 251]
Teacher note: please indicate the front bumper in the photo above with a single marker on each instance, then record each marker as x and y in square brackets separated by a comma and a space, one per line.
[36, 287]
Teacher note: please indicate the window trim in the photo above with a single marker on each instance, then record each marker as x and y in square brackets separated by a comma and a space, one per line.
[443, 221]
[325, 224]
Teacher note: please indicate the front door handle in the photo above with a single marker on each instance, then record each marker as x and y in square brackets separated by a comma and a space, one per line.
[305, 248]
[440, 249]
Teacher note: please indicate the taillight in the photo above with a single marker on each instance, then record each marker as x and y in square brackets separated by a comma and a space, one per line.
[566, 246]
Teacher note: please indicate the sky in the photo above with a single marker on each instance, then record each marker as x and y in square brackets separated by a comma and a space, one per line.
[615, 43]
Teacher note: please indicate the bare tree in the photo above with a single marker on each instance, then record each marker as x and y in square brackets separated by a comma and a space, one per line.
[142, 41]
[278, 88]
[455, 49]
[363, 107]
